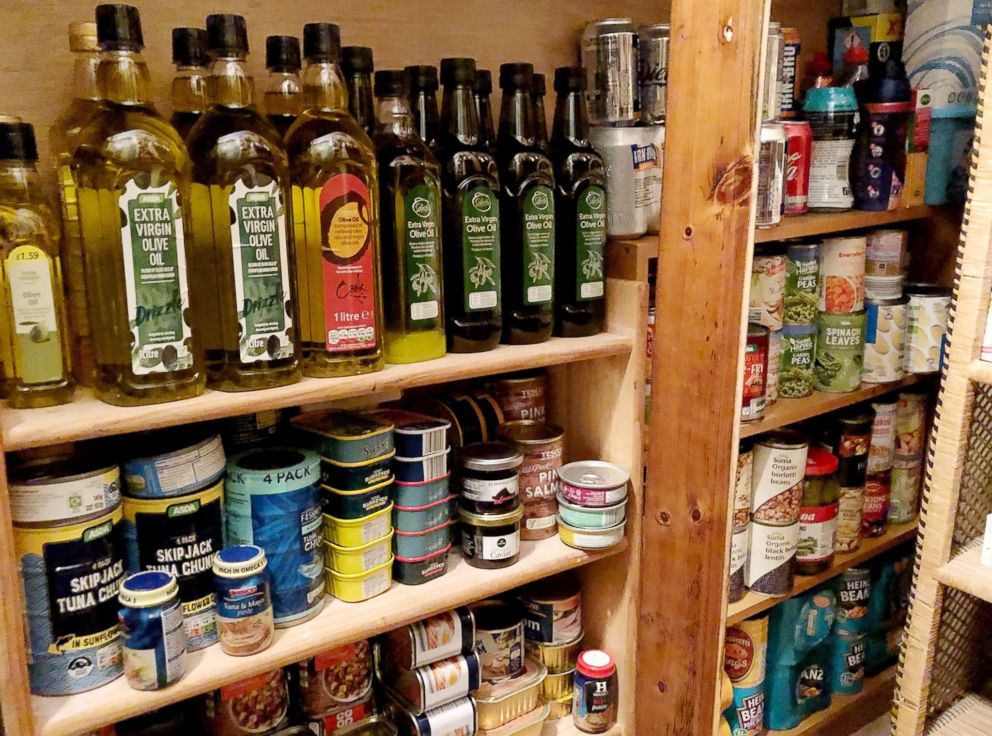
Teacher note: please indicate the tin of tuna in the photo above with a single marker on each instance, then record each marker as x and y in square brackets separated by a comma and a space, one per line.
[593, 483]
[245, 623]
[63, 490]
[414, 435]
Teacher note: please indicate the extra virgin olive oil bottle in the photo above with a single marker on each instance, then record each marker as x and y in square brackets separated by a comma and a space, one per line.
[483, 91]
[335, 218]
[410, 213]
[189, 85]
[239, 250]
[423, 102]
[537, 94]
[132, 174]
[357, 65]
[35, 350]
[580, 201]
[471, 217]
[283, 94]
[527, 210]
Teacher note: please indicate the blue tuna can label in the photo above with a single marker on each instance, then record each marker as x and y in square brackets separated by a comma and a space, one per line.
[151, 619]
[272, 499]
[71, 575]
[181, 468]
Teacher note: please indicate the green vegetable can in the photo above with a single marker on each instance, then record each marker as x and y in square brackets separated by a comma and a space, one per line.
[796, 378]
[840, 347]
[802, 283]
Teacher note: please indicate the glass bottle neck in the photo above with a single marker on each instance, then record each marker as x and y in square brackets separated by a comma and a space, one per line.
[360, 99]
[19, 181]
[323, 87]
[122, 78]
[84, 75]
[571, 122]
[283, 94]
[425, 104]
[229, 83]
[516, 117]
[459, 117]
[394, 116]
[189, 89]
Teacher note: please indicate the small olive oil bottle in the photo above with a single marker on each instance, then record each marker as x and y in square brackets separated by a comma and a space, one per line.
[239, 250]
[283, 94]
[35, 349]
[189, 85]
[484, 109]
[538, 91]
[423, 103]
[357, 65]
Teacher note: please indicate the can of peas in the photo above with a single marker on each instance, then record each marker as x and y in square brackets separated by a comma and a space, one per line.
[796, 360]
[802, 283]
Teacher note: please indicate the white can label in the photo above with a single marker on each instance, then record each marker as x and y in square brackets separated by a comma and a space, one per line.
[437, 637]
[739, 543]
[885, 330]
[490, 491]
[771, 548]
[926, 325]
[442, 680]
[829, 174]
[33, 504]
[452, 719]
[881, 450]
[778, 482]
[500, 548]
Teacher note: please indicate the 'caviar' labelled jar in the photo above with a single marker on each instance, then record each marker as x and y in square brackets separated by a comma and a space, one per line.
[491, 541]
[595, 692]
[245, 623]
[818, 513]
[488, 477]
[154, 639]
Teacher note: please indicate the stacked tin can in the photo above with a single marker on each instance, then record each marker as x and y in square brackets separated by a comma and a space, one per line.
[881, 457]
[740, 539]
[333, 688]
[796, 377]
[592, 504]
[885, 306]
[745, 662]
[765, 309]
[847, 436]
[848, 642]
[927, 310]
[907, 464]
[841, 319]
[772, 142]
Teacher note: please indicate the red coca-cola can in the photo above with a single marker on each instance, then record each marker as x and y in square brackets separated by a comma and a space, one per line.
[798, 153]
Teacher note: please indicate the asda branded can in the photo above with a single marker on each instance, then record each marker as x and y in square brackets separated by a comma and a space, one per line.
[63, 490]
[839, 351]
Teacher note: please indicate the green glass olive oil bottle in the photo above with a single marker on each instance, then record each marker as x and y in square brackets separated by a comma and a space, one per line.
[133, 178]
[283, 94]
[239, 245]
[189, 85]
[357, 64]
[335, 217]
[423, 103]
[35, 347]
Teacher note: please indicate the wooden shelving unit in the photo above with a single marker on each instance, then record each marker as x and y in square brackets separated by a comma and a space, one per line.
[847, 713]
[965, 572]
[827, 223]
[565, 727]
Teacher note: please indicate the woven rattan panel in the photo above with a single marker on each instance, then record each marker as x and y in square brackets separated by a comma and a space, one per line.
[975, 500]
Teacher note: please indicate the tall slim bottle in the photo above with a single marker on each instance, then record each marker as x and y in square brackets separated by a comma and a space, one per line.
[64, 136]
[241, 259]
[357, 65]
[580, 203]
[283, 93]
[189, 85]
[35, 348]
[423, 102]
[470, 184]
[483, 91]
[410, 218]
[133, 177]
[527, 212]
[335, 216]
[537, 94]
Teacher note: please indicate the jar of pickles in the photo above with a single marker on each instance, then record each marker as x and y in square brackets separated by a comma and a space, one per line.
[818, 512]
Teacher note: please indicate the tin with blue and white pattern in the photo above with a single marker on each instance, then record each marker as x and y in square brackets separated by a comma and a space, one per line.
[152, 630]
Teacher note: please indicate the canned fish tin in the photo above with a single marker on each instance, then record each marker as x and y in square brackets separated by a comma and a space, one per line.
[652, 76]
[771, 103]
[593, 483]
[499, 639]
[802, 284]
[754, 397]
[774, 359]
[779, 469]
[355, 476]
[609, 54]
[842, 275]
[633, 158]
[356, 504]
[771, 560]
[414, 435]
[334, 678]
[926, 325]
[420, 469]
[740, 543]
[595, 695]
[429, 640]
[63, 490]
[745, 654]
[154, 640]
[881, 449]
[272, 500]
[885, 333]
[904, 499]
[553, 610]
[853, 592]
[847, 663]
[180, 468]
[542, 446]
[359, 586]
[771, 175]
[797, 379]
[344, 437]
[558, 658]
[743, 489]
[885, 252]
[839, 352]
[250, 430]
[492, 415]
[488, 477]
[255, 705]
[245, 623]
[71, 575]
[433, 685]
[521, 395]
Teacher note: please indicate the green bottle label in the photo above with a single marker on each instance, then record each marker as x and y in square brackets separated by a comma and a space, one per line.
[539, 246]
[37, 343]
[154, 251]
[261, 272]
[421, 231]
[590, 238]
[480, 249]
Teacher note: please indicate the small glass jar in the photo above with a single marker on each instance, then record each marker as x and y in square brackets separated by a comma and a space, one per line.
[245, 623]
[154, 638]
[818, 512]
[491, 541]
[595, 693]
[488, 477]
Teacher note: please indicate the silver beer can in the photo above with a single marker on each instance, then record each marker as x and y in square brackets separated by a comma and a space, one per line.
[652, 77]
[633, 177]
[609, 54]
[771, 175]
[771, 102]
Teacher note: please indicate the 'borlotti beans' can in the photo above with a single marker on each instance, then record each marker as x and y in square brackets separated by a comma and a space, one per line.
[842, 275]
[779, 469]
[63, 490]
[745, 653]
[885, 334]
[755, 373]
[926, 327]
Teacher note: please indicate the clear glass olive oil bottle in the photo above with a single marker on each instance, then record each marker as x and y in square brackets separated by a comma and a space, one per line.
[423, 103]
[283, 94]
[189, 85]
[133, 177]
[64, 135]
[357, 65]
[35, 346]
[527, 211]
[537, 94]
[470, 186]
[239, 245]
[484, 109]
[335, 216]
[580, 203]
[410, 217]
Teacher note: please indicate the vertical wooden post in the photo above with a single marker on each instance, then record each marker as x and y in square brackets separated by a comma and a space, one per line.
[706, 236]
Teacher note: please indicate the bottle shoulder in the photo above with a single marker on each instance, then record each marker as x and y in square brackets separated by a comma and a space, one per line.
[70, 123]
[24, 220]
[327, 138]
[129, 137]
[226, 140]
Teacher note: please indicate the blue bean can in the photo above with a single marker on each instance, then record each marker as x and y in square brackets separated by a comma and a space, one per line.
[245, 622]
[847, 663]
[154, 638]
[272, 500]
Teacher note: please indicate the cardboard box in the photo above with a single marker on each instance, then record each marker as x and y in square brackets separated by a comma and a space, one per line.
[881, 34]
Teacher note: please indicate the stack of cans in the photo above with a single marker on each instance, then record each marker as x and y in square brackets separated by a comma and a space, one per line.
[907, 463]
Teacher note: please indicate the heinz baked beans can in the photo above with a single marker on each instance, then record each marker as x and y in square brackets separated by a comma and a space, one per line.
[779, 469]
[755, 373]
[745, 653]
[842, 275]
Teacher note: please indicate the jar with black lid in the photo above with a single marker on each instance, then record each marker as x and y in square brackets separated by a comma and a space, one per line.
[491, 541]
[487, 477]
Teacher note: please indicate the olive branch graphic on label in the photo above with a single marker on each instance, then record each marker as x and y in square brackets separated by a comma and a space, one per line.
[539, 268]
[592, 266]
[482, 272]
[425, 280]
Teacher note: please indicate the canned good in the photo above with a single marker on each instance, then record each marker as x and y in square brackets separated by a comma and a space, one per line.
[798, 155]
[255, 705]
[848, 436]
[407, 519]
[344, 437]
[558, 685]
[414, 435]
[842, 275]
[499, 639]
[910, 424]
[755, 373]
[422, 493]
[521, 395]
[542, 446]
[774, 358]
[356, 476]
[771, 175]
[652, 77]
[245, 623]
[583, 517]
[926, 327]
[62, 490]
[745, 655]
[771, 104]
[371, 726]
[839, 352]
[633, 158]
[740, 542]
[802, 284]
[885, 333]
[609, 54]
[181, 467]
[596, 692]
[553, 610]
[420, 469]
[557, 658]
[593, 483]
[771, 559]
[779, 469]
[359, 503]
[849, 514]
[904, 500]
[458, 717]
[788, 93]
[884, 287]
[154, 640]
[560, 707]
[853, 592]
[491, 541]
[429, 640]
[250, 430]
[488, 477]
[881, 449]
[420, 544]
[334, 678]
[492, 414]
[743, 490]
[885, 252]
[847, 663]
[361, 586]
[590, 539]
[342, 717]
[419, 570]
[797, 377]
[431, 686]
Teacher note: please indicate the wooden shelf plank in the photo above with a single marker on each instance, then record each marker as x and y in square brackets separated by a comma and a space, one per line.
[970, 716]
[88, 418]
[822, 223]
[789, 411]
[966, 572]
[754, 603]
[565, 727]
[849, 712]
[339, 623]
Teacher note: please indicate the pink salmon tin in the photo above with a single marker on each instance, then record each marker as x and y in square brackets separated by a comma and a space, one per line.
[593, 483]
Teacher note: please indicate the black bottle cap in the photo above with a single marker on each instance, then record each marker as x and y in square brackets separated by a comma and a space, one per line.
[321, 42]
[570, 79]
[423, 77]
[189, 47]
[227, 34]
[483, 81]
[392, 83]
[357, 60]
[118, 28]
[282, 53]
[539, 86]
[513, 77]
[17, 141]
[457, 71]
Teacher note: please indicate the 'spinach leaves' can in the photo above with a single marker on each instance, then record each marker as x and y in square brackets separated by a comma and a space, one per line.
[181, 466]
[154, 638]
[839, 352]
[63, 490]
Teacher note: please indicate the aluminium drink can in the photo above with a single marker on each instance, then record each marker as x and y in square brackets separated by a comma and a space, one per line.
[633, 162]
[798, 154]
[771, 175]
[609, 54]
[770, 101]
[788, 93]
[652, 77]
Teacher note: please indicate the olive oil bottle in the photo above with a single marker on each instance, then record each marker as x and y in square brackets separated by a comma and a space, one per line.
[470, 186]
[189, 85]
[35, 346]
[64, 135]
[537, 94]
[527, 211]
[423, 102]
[580, 202]
[133, 177]
[239, 245]
[410, 217]
[283, 94]
[335, 217]
[357, 65]
[484, 109]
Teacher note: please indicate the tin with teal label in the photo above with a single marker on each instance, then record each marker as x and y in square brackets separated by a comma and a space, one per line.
[345, 437]
[245, 622]
[802, 283]
[152, 630]
[847, 663]
[796, 376]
